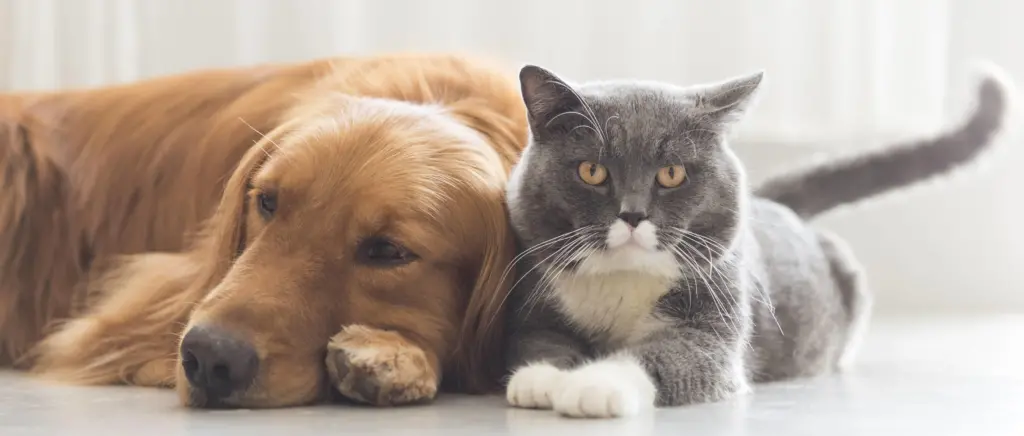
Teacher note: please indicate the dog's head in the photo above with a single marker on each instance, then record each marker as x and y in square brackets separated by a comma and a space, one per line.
[360, 211]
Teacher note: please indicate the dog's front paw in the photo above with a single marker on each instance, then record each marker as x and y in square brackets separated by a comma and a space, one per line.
[379, 367]
[532, 386]
[605, 389]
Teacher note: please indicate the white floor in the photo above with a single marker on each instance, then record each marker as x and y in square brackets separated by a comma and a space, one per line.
[916, 376]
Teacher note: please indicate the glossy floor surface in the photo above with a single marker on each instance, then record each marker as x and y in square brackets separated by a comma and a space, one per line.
[916, 376]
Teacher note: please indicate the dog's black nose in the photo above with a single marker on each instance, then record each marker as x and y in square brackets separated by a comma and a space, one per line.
[633, 218]
[217, 363]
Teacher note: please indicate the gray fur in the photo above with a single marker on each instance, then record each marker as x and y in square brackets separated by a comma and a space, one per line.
[761, 295]
[817, 189]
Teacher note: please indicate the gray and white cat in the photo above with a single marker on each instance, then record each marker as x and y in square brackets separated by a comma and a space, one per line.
[651, 275]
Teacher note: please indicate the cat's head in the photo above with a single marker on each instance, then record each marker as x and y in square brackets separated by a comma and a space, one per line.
[625, 175]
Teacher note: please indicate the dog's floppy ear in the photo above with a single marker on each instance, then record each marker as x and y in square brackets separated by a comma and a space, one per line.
[131, 334]
[479, 355]
[223, 236]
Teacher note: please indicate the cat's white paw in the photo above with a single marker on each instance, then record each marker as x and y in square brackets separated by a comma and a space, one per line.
[533, 386]
[605, 389]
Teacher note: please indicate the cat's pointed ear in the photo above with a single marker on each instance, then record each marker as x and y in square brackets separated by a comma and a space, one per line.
[546, 96]
[727, 101]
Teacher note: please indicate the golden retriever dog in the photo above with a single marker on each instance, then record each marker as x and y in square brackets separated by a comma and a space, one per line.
[257, 237]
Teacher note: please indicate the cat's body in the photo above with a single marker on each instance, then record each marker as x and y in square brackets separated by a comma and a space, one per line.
[639, 286]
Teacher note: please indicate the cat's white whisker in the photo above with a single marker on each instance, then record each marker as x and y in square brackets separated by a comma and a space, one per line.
[557, 264]
[574, 250]
[723, 257]
[722, 252]
[693, 147]
[716, 288]
[524, 255]
[539, 246]
[731, 291]
[540, 288]
[707, 283]
[590, 116]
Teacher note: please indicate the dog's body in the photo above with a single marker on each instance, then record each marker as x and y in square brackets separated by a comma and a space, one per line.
[90, 176]
[99, 173]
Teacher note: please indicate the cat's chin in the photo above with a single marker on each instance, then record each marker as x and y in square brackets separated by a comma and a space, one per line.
[631, 257]
[633, 248]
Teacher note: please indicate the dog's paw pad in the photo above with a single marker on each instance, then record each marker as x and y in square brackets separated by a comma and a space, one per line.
[379, 367]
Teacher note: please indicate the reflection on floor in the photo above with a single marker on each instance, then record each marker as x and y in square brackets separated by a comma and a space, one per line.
[916, 376]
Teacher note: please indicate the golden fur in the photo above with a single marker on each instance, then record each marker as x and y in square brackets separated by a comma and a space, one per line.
[379, 367]
[414, 148]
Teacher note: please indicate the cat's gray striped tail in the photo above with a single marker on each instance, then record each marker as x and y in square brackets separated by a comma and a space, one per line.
[836, 182]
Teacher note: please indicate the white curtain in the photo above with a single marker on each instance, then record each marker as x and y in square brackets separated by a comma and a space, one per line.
[836, 68]
[840, 73]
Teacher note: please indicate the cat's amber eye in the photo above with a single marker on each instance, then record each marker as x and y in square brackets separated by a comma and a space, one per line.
[671, 176]
[592, 173]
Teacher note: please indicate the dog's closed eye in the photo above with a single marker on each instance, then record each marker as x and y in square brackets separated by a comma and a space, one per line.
[383, 252]
[266, 203]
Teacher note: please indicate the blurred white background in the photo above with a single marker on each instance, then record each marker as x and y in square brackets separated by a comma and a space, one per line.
[840, 74]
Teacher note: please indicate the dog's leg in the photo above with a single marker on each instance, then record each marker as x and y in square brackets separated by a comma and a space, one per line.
[131, 334]
[381, 367]
[95, 350]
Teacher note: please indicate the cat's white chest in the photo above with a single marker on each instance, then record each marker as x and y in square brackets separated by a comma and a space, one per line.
[618, 305]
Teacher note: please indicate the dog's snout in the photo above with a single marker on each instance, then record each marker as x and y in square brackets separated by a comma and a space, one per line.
[217, 363]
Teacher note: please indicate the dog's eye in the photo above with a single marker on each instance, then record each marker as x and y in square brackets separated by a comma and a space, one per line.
[383, 252]
[266, 202]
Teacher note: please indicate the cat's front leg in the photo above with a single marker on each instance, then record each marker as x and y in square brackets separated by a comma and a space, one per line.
[674, 367]
[611, 387]
[691, 366]
[553, 369]
[540, 361]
